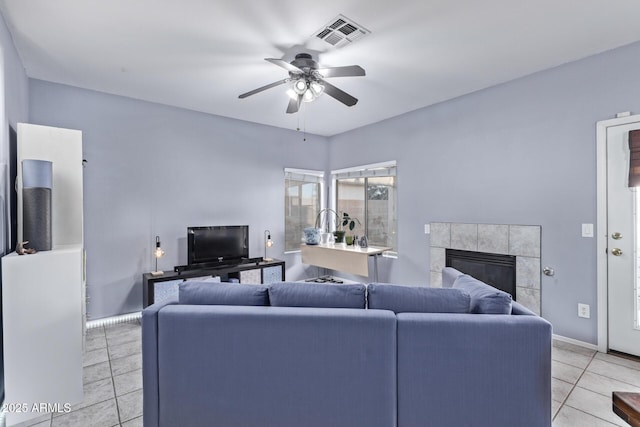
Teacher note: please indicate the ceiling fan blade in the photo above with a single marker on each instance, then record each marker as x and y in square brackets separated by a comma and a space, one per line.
[260, 89]
[284, 64]
[294, 105]
[338, 94]
[348, 71]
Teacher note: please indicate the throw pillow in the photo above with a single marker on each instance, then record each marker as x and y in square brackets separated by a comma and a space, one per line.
[413, 299]
[485, 299]
[294, 294]
[449, 275]
[209, 293]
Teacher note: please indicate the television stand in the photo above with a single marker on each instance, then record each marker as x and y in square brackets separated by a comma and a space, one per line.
[217, 264]
[248, 271]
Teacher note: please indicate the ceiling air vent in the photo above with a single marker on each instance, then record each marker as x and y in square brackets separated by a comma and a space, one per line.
[341, 31]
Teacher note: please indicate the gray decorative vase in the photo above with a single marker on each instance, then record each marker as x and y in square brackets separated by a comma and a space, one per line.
[37, 183]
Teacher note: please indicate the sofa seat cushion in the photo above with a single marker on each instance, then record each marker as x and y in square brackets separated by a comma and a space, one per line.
[209, 293]
[413, 299]
[485, 299]
[294, 294]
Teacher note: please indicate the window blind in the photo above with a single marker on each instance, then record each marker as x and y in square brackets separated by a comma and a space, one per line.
[366, 171]
[304, 175]
[634, 158]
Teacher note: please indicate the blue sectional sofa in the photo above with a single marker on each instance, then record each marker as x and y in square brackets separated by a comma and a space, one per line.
[319, 355]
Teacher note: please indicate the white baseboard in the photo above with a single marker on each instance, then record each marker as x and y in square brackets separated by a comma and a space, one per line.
[114, 320]
[575, 342]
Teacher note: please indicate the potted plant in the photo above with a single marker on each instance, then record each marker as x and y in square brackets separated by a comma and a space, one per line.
[341, 220]
[350, 223]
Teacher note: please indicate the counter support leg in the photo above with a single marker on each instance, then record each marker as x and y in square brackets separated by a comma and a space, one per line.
[375, 268]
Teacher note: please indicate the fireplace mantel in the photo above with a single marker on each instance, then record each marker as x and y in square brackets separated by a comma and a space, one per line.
[522, 241]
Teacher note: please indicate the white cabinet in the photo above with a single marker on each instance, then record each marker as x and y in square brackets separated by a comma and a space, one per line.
[42, 315]
[43, 302]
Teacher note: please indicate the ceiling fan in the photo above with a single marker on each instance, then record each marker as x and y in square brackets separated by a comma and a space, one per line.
[308, 81]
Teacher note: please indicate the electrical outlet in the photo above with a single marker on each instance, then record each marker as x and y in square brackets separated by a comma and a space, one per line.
[427, 229]
[584, 311]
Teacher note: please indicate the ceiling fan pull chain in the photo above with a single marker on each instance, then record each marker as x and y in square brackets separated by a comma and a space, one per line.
[304, 124]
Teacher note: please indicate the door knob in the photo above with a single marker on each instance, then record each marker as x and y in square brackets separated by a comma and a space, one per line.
[616, 236]
[616, 251]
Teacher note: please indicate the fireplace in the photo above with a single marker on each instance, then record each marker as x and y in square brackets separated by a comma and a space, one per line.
[520, 241]
[496, 270]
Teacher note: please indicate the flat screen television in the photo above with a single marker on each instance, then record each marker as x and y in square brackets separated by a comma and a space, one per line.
[221, 243]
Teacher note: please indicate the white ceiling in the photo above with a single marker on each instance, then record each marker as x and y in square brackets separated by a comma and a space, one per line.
[201, 54]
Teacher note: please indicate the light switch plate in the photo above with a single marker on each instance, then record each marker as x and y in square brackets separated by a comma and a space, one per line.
[427, 229]
[587, 230]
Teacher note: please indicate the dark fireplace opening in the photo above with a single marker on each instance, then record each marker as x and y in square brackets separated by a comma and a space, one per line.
[496, 270]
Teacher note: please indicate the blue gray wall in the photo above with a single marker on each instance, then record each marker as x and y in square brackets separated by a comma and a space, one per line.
[155, 170]
[14, 98]
[519, 153]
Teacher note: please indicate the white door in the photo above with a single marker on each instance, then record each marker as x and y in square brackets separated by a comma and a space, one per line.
[623, 240]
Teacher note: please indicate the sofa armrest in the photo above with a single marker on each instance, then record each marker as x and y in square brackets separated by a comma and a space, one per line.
[492, 369]
[150, 388]
[520, 310]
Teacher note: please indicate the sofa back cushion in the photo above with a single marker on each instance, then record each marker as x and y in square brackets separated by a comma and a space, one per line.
[292, 294]
[485, 299]
[412, 299]
[272, 367]
[208, 293]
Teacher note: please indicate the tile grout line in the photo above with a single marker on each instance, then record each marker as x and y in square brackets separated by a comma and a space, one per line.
[107, 349]
[138, 322]
[593, 357]
[594, 416]
[619, 364]
[573, 386]
[612, 363]
[113, 381]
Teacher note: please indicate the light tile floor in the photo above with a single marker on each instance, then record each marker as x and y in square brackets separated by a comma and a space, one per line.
[582, 383]
[112, 381]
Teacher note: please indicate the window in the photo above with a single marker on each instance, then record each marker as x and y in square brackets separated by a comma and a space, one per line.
[302, 198]
[368, 193]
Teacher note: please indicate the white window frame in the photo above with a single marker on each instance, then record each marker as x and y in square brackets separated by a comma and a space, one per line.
[388, 168]
[306, 175]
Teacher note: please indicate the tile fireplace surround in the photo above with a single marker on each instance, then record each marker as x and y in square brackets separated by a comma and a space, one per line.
[523, 241]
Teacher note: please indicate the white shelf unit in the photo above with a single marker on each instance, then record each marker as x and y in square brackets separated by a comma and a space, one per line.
[43, 294]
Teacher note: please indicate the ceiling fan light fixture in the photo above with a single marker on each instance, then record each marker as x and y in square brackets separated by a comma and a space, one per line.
[300, 86]
[308, 96]
[316, 88]
[292, 93]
